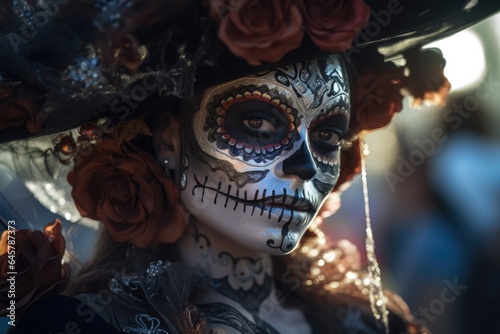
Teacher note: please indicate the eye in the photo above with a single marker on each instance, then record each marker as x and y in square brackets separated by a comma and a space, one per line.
[326, 139]
[256, 123]
[259, 124]
[327, 136]
[327, 133]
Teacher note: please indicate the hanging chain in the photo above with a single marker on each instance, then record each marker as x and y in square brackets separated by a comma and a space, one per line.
[377, 298]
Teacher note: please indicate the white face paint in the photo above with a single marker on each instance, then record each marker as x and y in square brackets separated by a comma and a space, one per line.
[264, 153]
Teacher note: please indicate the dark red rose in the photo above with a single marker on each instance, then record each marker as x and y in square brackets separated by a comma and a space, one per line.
[89, 131]
[16, 110]
[332, 24]
[426, 82]
[37, 263]
[262, 31]
[376, 97]
[128, 191]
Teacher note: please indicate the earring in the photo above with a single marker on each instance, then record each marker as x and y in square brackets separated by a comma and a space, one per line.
[165, 162]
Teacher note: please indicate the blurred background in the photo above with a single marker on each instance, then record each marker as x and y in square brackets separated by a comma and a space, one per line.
[434, 186]
[434, 191]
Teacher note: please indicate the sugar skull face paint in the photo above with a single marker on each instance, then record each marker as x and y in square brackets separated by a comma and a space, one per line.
[263, 153]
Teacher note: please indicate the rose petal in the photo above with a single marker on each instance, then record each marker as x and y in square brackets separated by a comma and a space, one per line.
[256, 40]
[135, 197]
[332, 25]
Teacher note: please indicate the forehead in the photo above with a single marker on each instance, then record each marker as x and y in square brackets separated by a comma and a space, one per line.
[313, 86]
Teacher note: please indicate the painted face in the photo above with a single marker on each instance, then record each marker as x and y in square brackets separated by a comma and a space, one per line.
[263, 153]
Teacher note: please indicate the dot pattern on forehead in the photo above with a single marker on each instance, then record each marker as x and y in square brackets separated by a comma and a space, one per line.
[263, 149]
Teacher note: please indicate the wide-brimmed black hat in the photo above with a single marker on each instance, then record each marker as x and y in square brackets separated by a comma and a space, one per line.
[81, 60]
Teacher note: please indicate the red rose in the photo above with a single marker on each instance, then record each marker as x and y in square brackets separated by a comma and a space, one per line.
[37, 263]
[376, 97]
[128, 191]
[17, 110]
[426, 82]
[332, 24]
[260, 31]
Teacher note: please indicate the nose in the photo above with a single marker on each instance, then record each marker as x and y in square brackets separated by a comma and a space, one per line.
[301, 164]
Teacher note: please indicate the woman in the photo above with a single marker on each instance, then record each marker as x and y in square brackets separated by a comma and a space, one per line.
[202, 192]
[245, 204]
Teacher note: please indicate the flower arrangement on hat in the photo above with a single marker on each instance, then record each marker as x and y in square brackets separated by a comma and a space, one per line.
[264, 31]
[132, 196]
[121, 184]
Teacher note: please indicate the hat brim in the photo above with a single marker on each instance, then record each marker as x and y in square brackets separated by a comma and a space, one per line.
[394, 27]
[416, 23]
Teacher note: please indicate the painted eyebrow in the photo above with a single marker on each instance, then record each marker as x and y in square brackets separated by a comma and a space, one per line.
[339, 122]
[286, 94]
[337, 109]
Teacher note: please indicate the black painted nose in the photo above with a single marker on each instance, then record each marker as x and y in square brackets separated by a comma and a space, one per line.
[301, 164]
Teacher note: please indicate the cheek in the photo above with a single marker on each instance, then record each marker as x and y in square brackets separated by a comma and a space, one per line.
[328, 164]
[215, 182]
[328, 172]
[205, 192]
[211, 161]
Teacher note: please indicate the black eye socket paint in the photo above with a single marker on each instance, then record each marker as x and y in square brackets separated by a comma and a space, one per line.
[228, 119]
[271, 126]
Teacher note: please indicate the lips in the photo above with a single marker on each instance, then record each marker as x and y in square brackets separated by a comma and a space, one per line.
[260, 198]
[287, 202]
